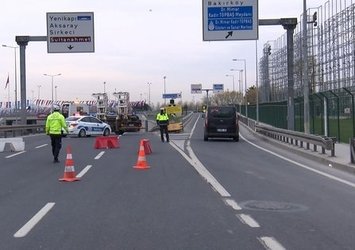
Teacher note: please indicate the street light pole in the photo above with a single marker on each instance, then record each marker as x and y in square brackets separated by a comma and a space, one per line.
[245, 83]
[240, 87]
[149, 83]
[39, 90]
[239, 70]
[164, 89]
[52, 76]
[55, 92]
[15, 48]
[233, 80]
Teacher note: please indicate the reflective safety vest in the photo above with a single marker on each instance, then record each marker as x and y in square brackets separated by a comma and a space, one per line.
[162, 119]
[54, 124]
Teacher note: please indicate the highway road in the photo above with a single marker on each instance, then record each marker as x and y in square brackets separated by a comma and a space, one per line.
[218, 194]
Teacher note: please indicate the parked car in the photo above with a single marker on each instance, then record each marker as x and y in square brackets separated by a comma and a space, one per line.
[221, 122]
[82, 126]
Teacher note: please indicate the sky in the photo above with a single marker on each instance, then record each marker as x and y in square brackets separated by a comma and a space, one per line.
[136, 42]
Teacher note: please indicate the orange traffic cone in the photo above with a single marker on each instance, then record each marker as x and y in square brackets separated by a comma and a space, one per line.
[141, 162]
[69, 172]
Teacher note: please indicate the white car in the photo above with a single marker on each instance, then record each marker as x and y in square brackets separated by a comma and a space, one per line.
[87, 125]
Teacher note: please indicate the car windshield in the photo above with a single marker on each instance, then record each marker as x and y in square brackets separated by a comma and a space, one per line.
[221, 112]
[72, 118]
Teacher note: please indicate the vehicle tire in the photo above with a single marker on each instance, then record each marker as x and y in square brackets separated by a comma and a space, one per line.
[205, 137]
[236, 138]
[106, 132]
[82, 133]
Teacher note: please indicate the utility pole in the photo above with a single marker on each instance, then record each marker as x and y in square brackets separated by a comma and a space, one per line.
[305, 70]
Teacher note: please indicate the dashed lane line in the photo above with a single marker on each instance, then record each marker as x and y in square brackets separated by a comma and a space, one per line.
[23, 231]
[10, 156]
[248, 220]
[271, 243]
[99, 155]
[84, 171]
[268, 242]
[233, 204]
[41, 146]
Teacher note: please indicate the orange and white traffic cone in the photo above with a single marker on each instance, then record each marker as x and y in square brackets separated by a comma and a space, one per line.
[141, 162]
[69, 172]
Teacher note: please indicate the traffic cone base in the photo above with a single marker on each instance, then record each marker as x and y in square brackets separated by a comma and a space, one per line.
[69, 171]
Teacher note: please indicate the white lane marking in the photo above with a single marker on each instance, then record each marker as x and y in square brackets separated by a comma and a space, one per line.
[270, 243]
[23, 231]
[233, 204]
[194, 161]
[10, 156]
[86, 169]
[41, 146]
[203, 172]
[99, 155]
[248, 220]
[301, 165]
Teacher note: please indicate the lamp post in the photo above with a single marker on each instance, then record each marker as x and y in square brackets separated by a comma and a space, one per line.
[245, 83]
[239, 70]
[104, 87]
[149, 83]
[164, 89]
[233, 79]
[55, 93]
[39, 91]
[52, 76]
[240, 87]
[12, 47]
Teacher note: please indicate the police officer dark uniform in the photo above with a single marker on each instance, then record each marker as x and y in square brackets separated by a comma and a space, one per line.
[54, 124]
[163, 122]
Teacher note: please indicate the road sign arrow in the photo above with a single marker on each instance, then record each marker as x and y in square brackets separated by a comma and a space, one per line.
[230, 33]
[70, 47]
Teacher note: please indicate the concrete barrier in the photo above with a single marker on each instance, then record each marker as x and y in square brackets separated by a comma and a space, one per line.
[16, 144]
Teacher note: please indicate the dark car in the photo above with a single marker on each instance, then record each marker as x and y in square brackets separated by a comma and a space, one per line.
[221, 122]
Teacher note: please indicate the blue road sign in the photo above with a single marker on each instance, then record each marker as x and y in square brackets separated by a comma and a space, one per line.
[218, 88]
[171, 96]
[230, 20]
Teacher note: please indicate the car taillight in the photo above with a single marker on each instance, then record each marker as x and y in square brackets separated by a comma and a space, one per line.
[73, 125]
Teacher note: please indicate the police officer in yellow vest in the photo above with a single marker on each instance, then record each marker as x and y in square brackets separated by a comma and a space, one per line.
[163, 122]
[54, 125]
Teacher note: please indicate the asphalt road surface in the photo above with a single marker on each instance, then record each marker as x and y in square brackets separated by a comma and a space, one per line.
[218, 194]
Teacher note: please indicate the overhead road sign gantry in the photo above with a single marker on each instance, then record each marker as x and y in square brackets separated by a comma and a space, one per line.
[70, 32]
[225, 20]
[196, 88]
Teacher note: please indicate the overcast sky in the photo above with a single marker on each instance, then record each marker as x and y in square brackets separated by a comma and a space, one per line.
[136, 42]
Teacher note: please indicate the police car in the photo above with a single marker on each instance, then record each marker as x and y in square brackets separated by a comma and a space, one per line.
[85, 125]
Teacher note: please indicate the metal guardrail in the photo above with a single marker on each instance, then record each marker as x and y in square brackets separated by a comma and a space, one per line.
[20, 130]
[293, 137]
